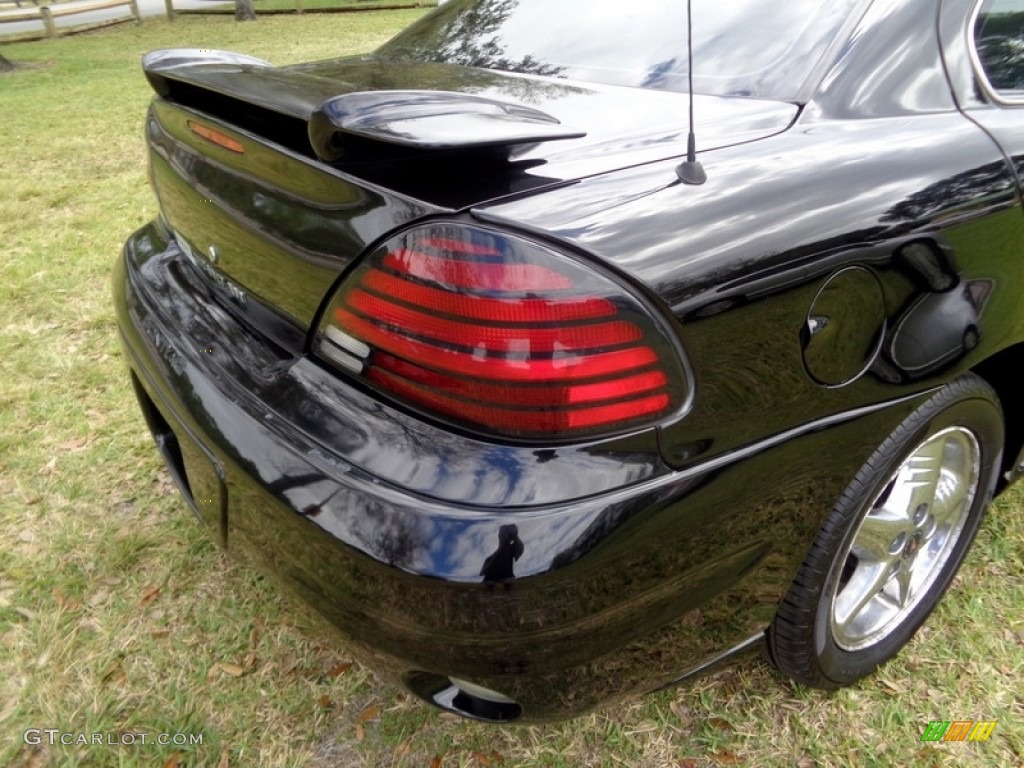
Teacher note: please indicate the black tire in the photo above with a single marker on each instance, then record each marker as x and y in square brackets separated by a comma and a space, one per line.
[832, 628]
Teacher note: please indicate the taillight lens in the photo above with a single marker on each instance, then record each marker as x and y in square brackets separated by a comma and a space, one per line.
[502, 335]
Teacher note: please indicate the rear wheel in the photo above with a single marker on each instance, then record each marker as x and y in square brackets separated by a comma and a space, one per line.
[890, 548]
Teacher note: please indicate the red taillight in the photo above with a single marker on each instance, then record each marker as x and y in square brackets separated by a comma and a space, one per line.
[502, 335]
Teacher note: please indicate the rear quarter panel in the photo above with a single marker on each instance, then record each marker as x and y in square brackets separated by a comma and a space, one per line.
[880, 161]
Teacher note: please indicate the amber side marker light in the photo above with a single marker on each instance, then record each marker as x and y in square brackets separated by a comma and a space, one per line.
[216, 137]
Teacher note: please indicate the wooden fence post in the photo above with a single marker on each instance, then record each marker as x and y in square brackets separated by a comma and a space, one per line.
[51, 28]
[135, 11]
[169, 4]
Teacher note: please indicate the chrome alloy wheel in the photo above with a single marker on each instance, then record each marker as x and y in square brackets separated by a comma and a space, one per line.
[905, 539]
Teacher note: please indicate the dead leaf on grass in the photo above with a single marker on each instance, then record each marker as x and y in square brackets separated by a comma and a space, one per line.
[224, 761]
[894, 687]
[725, 757]
[719, 724]
[360, 732]
[681, 712]
[174, 761]
[289, 664]
[339, 669]
[232, 669]
[481, 758]
[75, 445]
[149, 594]
[64, 602]
[114, 673]
[687, 762]
[324, 702]
[436, 762]
[372, 712]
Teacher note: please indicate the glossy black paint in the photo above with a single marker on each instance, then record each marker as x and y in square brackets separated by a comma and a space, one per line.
[802, 280]
[400, 570]
[429, 120]
[683, 244]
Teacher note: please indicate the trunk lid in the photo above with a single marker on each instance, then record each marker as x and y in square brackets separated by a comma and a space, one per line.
[316, 161]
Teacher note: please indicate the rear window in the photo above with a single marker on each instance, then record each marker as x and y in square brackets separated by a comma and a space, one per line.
[999, 42]
[741, 47]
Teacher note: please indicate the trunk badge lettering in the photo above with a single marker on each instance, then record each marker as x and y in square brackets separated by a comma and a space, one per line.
[205, 267]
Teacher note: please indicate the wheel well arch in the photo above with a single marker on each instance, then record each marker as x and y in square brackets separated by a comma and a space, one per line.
[1001, 371]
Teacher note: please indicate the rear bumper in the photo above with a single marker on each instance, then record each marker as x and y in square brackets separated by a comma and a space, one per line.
[630, 574]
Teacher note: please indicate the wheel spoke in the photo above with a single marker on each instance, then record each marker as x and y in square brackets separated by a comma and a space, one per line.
[954, 490]
[902, 583]
[863, 587]
[917, 480]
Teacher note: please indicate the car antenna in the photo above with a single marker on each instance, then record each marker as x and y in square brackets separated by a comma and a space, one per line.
[690, 171]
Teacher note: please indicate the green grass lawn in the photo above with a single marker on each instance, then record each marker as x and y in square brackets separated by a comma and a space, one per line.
[118, 615]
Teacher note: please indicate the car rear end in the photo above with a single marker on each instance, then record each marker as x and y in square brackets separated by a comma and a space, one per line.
[300, 341]
[442, 433]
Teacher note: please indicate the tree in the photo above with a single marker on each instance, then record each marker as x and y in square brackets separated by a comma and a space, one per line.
[244, 10]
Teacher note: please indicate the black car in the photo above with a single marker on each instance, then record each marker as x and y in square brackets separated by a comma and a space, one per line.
[543, 409]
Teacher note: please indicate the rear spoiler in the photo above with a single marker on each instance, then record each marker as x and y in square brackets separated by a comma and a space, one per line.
[429, 120]
[416, 120]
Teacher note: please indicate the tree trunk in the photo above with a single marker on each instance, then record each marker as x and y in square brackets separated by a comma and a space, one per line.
[244, 10]
[6, 65]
